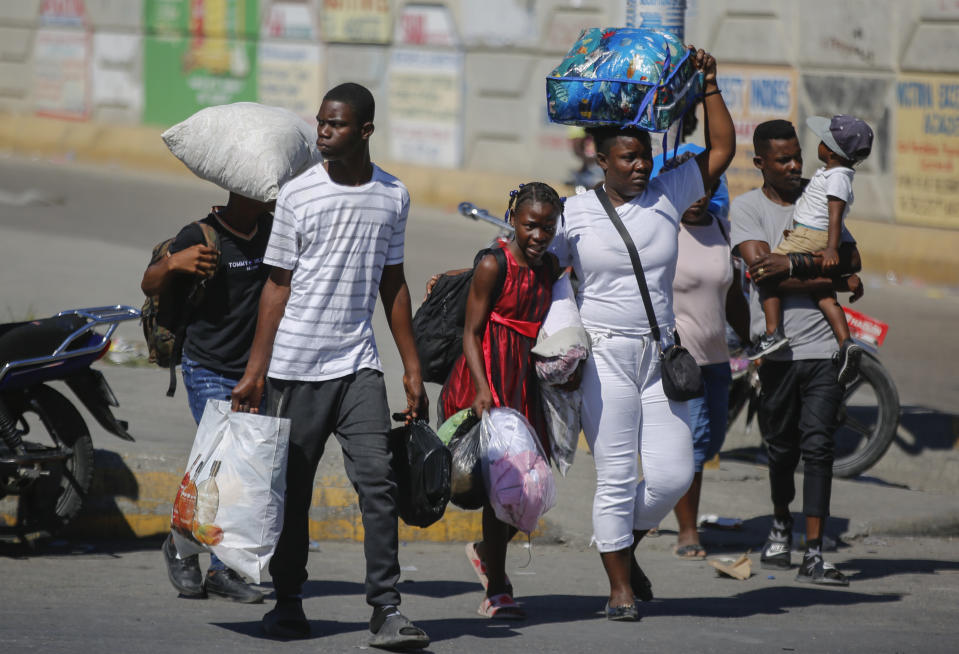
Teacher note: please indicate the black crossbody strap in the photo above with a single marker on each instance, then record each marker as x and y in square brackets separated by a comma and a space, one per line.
[633, 257]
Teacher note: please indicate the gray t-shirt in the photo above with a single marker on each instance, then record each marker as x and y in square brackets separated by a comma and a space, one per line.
[755, 217]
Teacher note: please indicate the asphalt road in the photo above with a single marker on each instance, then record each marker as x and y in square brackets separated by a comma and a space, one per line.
[902, 599]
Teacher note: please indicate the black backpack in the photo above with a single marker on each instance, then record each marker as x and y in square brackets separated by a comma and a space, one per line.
[422, 465]
[438, 323]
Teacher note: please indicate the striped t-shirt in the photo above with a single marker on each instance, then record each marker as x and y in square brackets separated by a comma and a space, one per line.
[336, 240]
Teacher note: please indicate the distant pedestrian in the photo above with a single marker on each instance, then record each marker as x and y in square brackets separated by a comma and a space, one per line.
[801, 395]
[337, 244]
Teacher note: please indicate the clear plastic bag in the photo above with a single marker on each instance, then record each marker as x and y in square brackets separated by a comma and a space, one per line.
[519, 482]
[563, 423]
[466, 479]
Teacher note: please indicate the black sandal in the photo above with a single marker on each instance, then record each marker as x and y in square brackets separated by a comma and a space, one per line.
[395, 631]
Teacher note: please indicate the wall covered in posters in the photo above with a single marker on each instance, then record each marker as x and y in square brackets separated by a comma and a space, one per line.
[754, 94]
[927, 151]
[198, 53]
[290, 68]
[61, 52]
[425, 103]
[356, 21]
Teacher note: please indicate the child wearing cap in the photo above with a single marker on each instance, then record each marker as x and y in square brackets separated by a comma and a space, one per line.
[818, 223]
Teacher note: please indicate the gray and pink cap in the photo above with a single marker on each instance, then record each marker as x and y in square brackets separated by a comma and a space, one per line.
[847, 136]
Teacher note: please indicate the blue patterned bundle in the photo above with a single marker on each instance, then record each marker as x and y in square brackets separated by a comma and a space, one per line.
[624, 76]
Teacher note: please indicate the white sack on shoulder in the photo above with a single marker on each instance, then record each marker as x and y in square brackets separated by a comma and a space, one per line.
[230, 501]
[247, 148]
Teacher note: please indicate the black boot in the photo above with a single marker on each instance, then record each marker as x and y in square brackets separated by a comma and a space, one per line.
[185, 573]
[228, 584]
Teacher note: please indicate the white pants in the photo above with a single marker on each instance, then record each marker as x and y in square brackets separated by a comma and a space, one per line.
[625, 414]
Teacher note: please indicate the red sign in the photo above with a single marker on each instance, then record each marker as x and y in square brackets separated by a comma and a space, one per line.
[866, 328]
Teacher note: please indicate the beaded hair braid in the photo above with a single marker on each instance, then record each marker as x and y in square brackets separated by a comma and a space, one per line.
[533, 192]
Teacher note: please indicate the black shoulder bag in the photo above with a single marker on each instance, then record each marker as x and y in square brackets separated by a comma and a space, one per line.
[682, 378]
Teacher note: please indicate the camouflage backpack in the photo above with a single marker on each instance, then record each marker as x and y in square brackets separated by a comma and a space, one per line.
[164, 317]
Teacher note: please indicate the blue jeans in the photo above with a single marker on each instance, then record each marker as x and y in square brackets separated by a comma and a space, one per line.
[203, 384]
[708, 414]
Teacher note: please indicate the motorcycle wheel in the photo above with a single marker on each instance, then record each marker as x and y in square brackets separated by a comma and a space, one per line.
[868, 419]
[52, 500]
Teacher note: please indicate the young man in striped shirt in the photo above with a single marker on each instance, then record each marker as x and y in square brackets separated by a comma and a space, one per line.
[337, 243]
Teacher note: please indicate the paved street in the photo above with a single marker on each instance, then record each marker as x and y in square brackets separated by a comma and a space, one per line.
[80, 237]
[902, 599]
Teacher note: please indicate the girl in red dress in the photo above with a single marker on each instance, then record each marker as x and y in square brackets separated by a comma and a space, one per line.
[496, 367]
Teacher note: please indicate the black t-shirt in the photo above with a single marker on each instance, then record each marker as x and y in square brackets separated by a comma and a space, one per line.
[221, 332]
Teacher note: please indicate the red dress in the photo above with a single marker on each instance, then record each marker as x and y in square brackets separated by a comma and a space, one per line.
[510, 335]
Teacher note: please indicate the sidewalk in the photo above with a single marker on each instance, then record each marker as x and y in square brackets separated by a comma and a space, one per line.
[136, 482]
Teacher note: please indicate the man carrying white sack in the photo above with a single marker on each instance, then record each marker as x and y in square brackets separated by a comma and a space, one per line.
[220, 331]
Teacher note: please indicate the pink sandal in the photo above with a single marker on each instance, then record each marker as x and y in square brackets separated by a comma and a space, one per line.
[501, 607]
[479, 567]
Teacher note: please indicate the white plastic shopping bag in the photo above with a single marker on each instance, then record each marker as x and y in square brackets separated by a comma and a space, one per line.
[562, 342]
[230, 501]
[518, 479]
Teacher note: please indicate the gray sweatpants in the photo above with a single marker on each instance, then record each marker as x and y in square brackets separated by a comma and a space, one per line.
[355, 409]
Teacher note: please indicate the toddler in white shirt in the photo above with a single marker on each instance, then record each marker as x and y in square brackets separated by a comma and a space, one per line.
[818, 221]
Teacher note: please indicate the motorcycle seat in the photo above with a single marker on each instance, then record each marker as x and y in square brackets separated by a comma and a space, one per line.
[38, 338]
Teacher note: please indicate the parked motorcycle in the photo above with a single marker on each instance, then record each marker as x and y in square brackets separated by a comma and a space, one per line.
[46, 453]
[869, 415]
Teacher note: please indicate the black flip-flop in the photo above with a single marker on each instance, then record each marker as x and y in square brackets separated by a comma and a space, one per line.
[691, 552]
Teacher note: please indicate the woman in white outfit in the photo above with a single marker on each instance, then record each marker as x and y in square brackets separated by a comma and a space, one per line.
[625, 412]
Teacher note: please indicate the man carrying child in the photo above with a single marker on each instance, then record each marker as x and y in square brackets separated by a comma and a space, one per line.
[801, 396]
[817, 225]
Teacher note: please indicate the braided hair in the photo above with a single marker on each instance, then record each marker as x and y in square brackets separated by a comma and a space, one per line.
[533, 192]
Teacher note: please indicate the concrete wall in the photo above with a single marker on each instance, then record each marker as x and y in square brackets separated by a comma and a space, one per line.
[459, 83]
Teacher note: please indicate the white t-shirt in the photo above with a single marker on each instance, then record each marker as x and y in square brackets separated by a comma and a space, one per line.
[336, 240]
[608, 296]
[812, 208]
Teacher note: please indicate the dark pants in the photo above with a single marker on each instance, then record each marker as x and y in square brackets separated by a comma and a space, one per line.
[355, 409]
[798, 415]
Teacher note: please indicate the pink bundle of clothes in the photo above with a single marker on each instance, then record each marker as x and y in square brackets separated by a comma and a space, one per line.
[517, 474]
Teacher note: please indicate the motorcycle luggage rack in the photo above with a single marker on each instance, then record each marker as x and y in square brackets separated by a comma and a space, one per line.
[108, 315]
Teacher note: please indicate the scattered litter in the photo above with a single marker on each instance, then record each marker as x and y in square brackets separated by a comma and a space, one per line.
[523, 572]
[314, 546]
[770, 576]
[740, 569]
[719, 522]
[409, 568]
